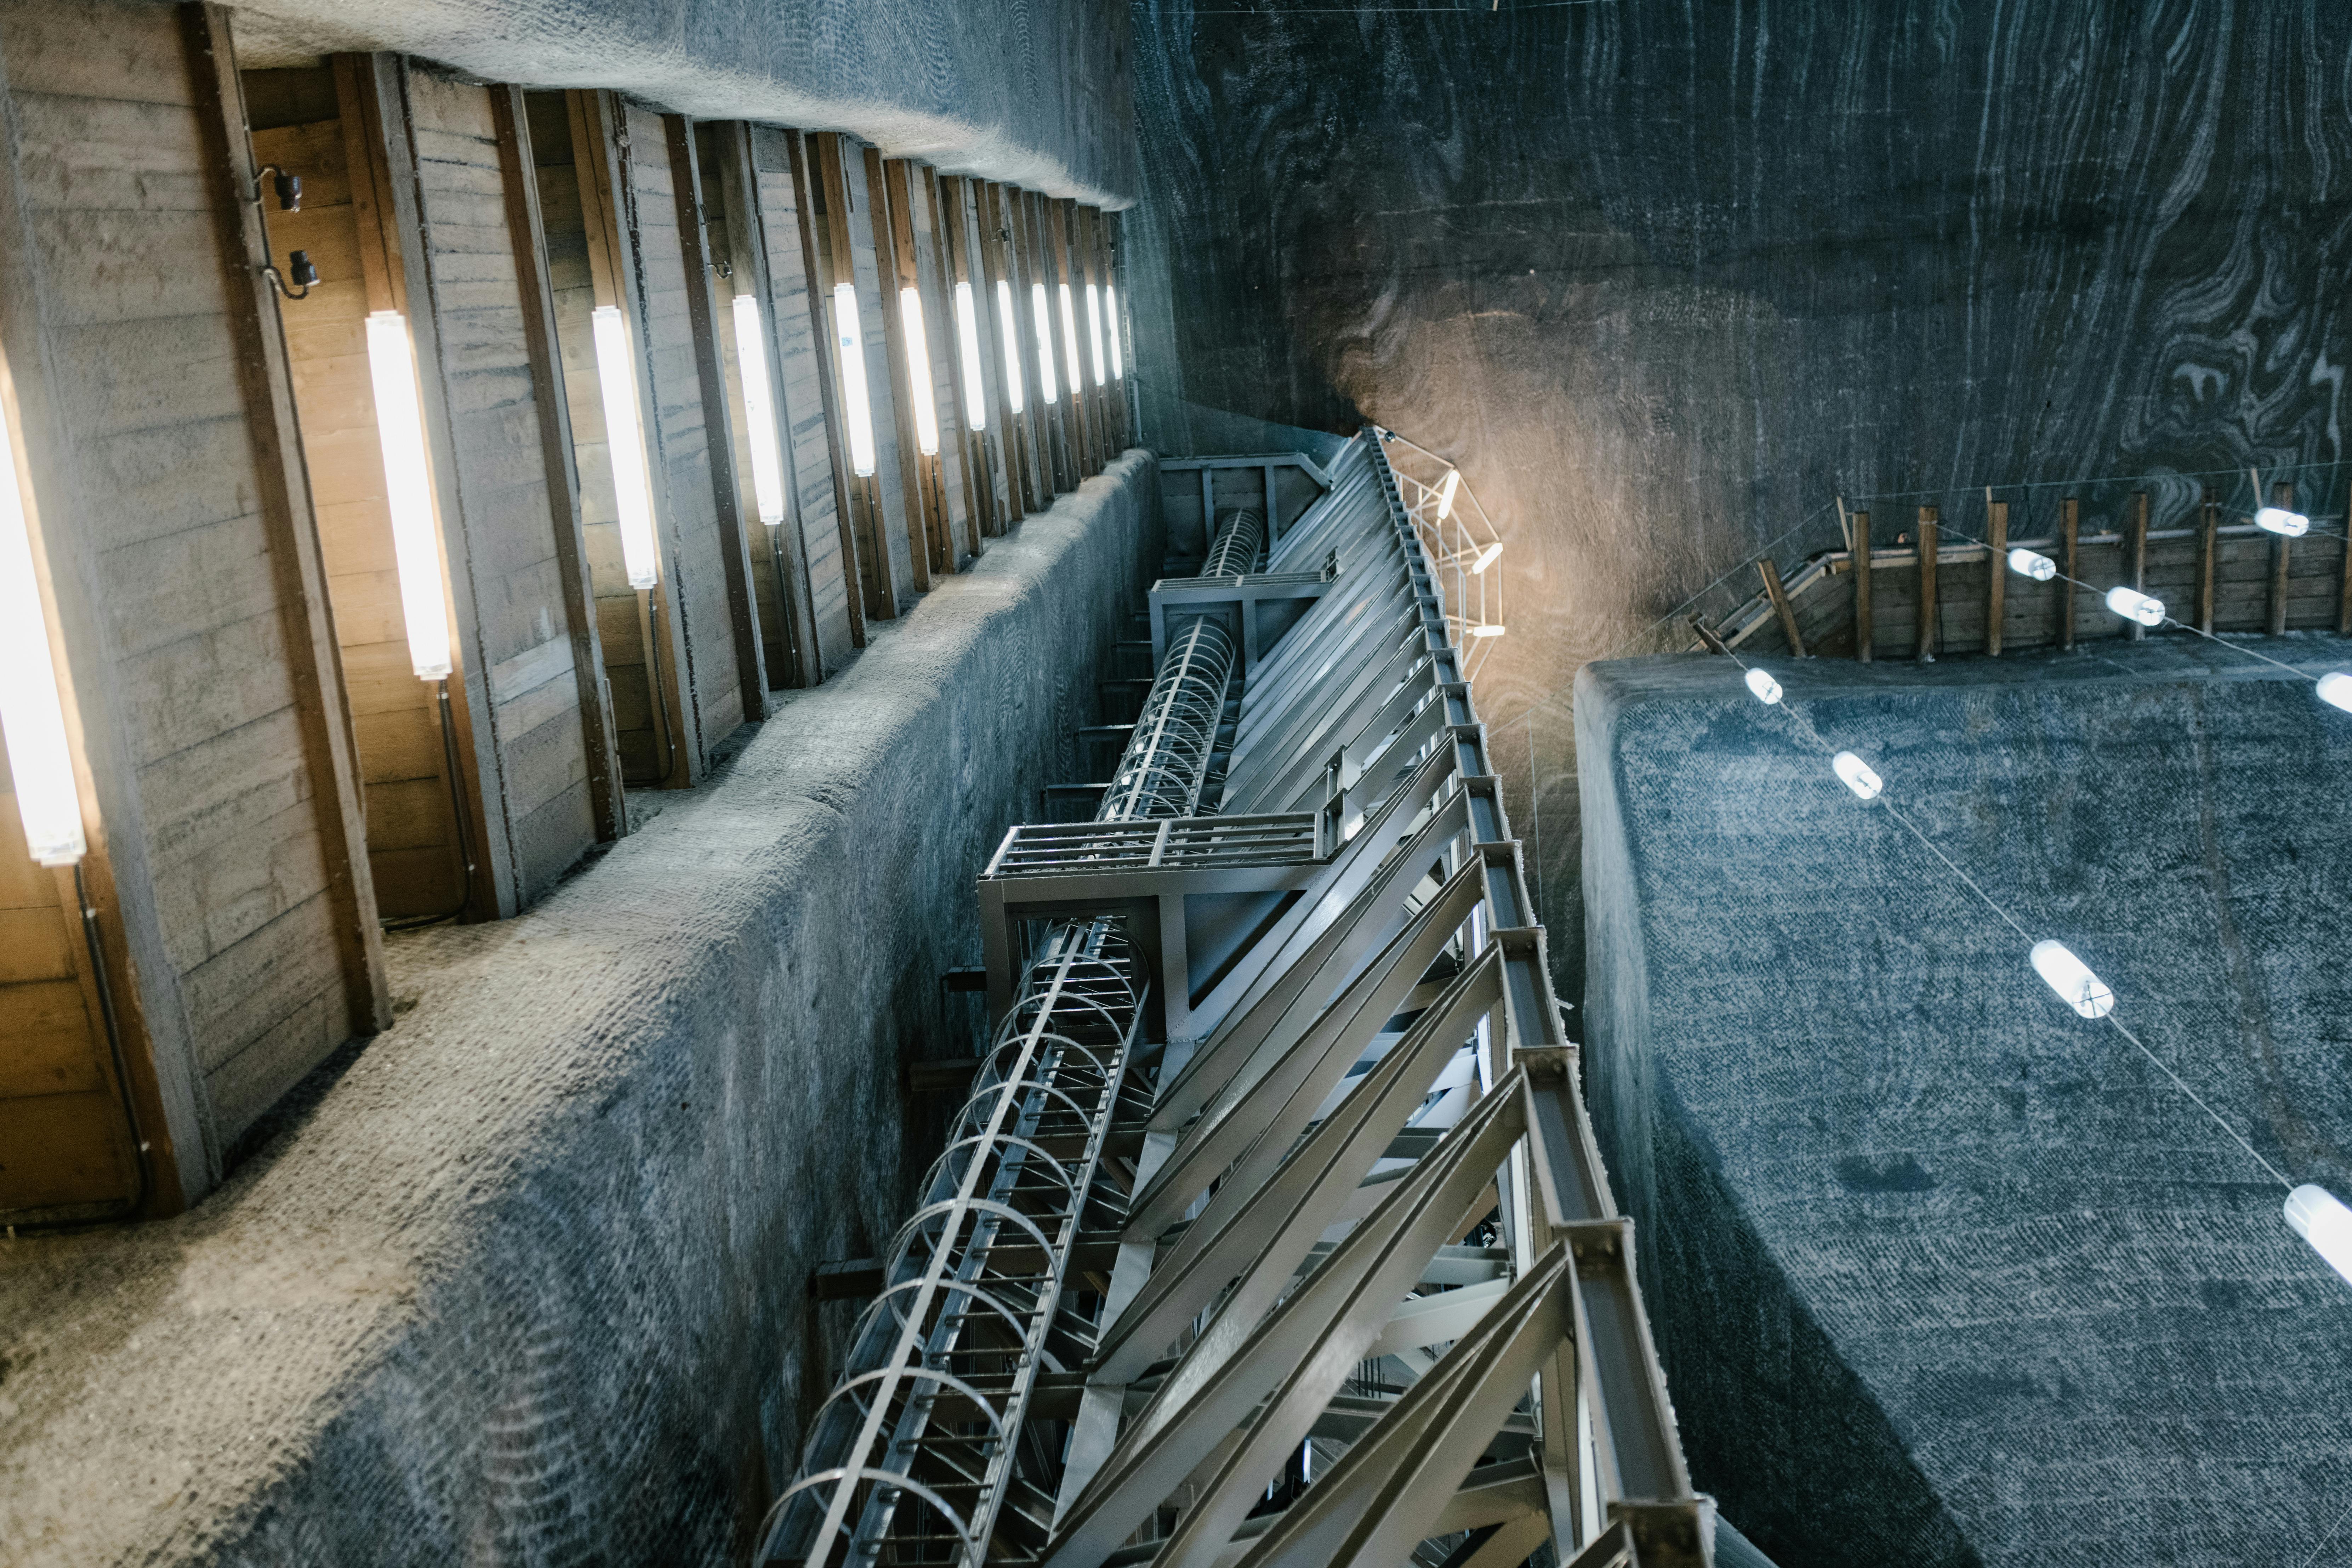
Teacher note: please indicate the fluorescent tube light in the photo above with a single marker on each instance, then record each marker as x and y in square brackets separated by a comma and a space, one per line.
[2071, 979]
[1445, 488]
[975, 406]
[39, 762]
[408, 492]
[1008, 332]
[624, 441]
[919, 372]
[850, 339]
[760, 411]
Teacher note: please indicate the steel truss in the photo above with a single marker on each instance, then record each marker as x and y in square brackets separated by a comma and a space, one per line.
[1325, 1268]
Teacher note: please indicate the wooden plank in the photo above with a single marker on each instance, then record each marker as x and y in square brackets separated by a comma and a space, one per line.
[2070, 521]
[2134, 561]
[2282, 495]
[1997, 579]
[734, 543]
[527, 231]
[785, 553]
[838, 260]
[999, 260]
[1865, 626]
[991, 451]
[1924, 615]
[894, 250]
[1774, 589]
[969, 503]
[828, 507]
[1059, 470]
[284, 501]
[1055, 215]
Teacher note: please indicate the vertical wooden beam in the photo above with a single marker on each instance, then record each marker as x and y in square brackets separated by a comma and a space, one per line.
[2282, 495]
[519, 174]
[2070, 525]
[894, 255]
[380, 155]
[807, 188]
[314, 664]
[838, 259]
[717, 428]
[747, 257]
[988, 214]
[1074, 352]
[1927, 618]
[2209, 558]
[1997, 575]
[1768, 568]
[2136, 555]
[955, 260]
[1053, 430]
[973, 467]
[1863, 637]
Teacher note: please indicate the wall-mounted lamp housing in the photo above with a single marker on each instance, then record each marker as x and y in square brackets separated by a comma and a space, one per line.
[759, 411]
[1857, 774]
[849, 338]
[625, 440]
[31, 714]
[1767, 690]
[975, 406]
[408, 493]
[2071, 979]
[288, 188]
[2026, 563]
[1008, 334]
[2278, 520]
[2134, 605]
[299, 268]
[919, 372]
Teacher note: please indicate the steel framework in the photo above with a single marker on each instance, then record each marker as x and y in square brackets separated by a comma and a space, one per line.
[1276, 1233]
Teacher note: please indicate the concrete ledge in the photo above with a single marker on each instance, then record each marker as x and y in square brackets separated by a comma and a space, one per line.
[527, 1282]
[1941, 1273]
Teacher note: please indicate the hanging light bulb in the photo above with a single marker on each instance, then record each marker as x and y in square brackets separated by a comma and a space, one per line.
[31, 715]
[625, 440]
[1857, 774]
[2278, 520]
[849, 337]
[408, 494]
[2071, 979]
[1038, 311]
[1767, 690]
[2336, 686]
[1009, 335]
[2026, 563]
[2323, 1222]
[2134, 605]
[1445, 488]
[1111, 319]
[975, 408]
[1093, 332]
[919, 372]
[1070, 339]
[759, 411]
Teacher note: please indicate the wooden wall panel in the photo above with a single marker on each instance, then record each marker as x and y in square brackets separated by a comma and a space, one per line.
[899, 518]
[797, 317]
[183, 520]
[517, 625]
[694, 563]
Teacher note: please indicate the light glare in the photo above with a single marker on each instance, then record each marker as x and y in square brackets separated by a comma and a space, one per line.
[759, 411]
[408, 493]
[2072, 980]
[2134, 605]
[31, 714]
[1857, 774]
[2289, 524]
[1486, 558]
[2336, 686]
[975, 408]
[2026, 563]
[625, 440]
[919, 372]
[1009, 335]
[850, 339]
[1038, 312]
[1767, 690]
[2324, 1223]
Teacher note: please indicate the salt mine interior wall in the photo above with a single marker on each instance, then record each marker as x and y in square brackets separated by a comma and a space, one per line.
[526, 1279]
[1942, 1273]
[1665, 281]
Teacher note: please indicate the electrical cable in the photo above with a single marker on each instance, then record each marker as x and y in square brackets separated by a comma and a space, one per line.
[463, 819]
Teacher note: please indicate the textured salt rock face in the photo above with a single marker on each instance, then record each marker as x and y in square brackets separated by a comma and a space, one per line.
[1943, 1274]
[1667, 280]
[1034, 92]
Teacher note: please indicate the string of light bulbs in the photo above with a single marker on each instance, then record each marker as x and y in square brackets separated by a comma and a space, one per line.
[2311, 1211]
